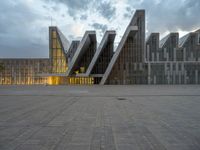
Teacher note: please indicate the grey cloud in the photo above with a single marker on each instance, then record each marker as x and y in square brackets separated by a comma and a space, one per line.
[76, 7]
[83, 17]
[100, 27]
[73, 4]
[18, 36]
[171, 15]
[129, 12]
[106, 9]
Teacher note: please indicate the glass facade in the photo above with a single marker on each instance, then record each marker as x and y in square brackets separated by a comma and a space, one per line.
[23, 71]
[57, 54]
[80, 80]
[58, 80]
[59, 62]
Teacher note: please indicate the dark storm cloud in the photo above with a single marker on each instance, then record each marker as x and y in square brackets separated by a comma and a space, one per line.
[170, 15]
[101, 27]
[17, 36]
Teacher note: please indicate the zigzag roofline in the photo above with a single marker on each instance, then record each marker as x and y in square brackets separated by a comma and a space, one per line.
[86, 38]
[117, 52]
[99, 50]
[164, 40]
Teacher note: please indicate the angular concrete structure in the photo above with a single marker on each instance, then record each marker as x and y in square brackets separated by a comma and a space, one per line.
[101, 57]
[189, 47]
[152, 47]
[72, 49]
[129, 52]
[106, 45]
[83, 54]
[169, 45]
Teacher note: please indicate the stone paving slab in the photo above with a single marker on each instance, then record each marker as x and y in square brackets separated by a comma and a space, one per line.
[103, 118]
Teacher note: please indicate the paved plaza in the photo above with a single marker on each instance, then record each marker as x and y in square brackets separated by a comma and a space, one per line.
[138, 117]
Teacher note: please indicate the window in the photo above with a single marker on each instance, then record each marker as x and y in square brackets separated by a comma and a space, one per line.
[54, 34]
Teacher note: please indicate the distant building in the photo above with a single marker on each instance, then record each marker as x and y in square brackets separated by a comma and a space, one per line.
[175, 61]
[169, 61]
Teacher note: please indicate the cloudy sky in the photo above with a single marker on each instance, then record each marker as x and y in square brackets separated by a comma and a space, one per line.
[24, 23]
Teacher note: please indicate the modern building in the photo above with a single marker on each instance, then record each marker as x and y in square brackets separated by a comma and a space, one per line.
[127, 64]
[134, 61]
[23, 71]
[173, 60]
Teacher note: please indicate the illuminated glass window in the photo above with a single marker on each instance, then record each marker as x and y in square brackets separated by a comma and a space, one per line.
[80, 80]
[58, 44]
[54, 34]
[54, 43]
[59, 62]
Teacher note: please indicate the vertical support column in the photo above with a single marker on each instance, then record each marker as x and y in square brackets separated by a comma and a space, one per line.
[165, 73]
[124, 77]
[185, 77]
[157, 56]
[147, 56]
[177, 68]
[174, 73]
[140, 67]
[174, 78]
[196, 76]
[174, 54]
[179, 77]
[168, 77]
[165, 68]
[167, 56]
[152, 57]
[149, 73]
[184, 54]
[171, 72]
[192, 56]
[135, 66]
[183, 73]
[154, 79]
[165, 53]
[177, 73]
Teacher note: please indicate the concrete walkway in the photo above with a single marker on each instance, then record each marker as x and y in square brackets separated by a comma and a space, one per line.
[100, 118]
